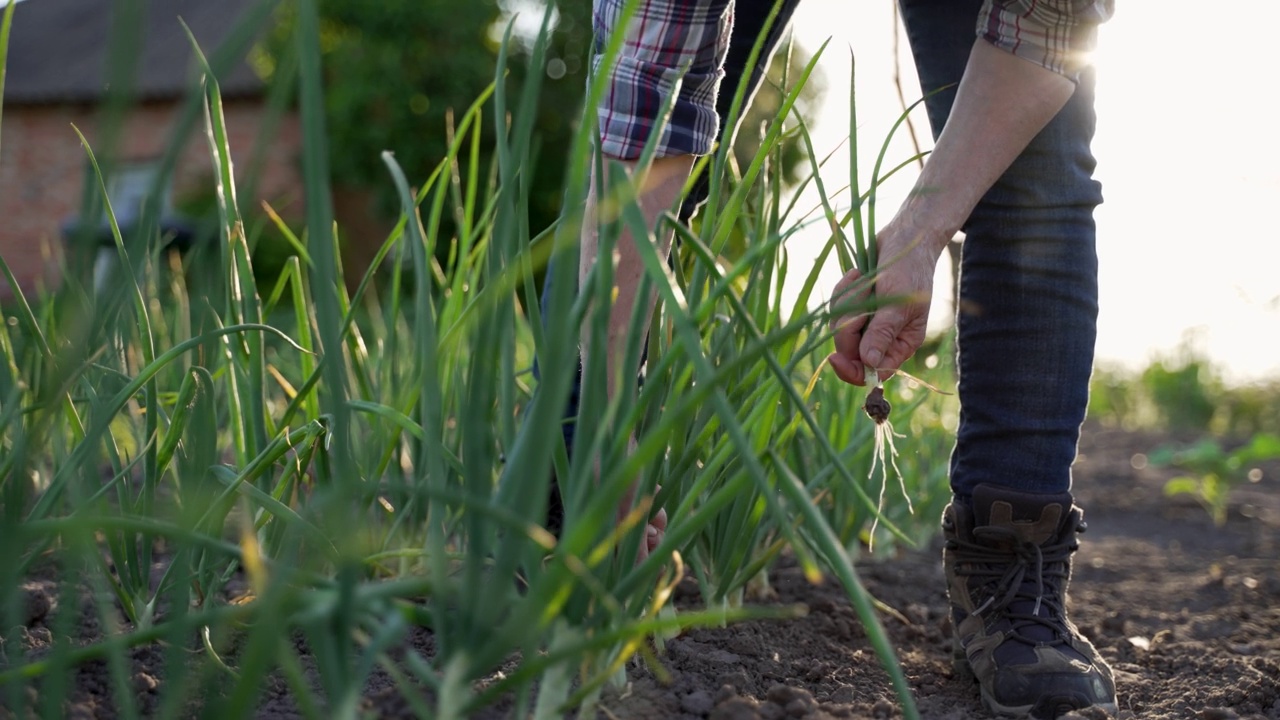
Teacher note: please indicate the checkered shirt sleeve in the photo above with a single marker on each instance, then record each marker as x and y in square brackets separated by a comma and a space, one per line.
[669, 46]
[1055, 34]
[679, 46]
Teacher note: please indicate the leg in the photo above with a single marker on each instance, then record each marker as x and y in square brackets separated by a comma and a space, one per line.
[1028, 282]
[1026, 324]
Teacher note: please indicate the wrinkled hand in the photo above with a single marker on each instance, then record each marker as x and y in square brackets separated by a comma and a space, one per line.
[907, 261]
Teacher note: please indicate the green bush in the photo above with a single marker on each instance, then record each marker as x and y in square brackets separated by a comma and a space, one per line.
[1183, 394]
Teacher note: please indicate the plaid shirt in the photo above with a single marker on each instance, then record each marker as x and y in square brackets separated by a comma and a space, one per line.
[680, 45]
[1055, 34]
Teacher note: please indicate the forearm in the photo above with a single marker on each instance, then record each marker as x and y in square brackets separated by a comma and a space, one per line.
[661, 188]
[1001, 104]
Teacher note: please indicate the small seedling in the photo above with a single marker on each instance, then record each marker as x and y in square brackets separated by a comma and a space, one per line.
[1213, 471]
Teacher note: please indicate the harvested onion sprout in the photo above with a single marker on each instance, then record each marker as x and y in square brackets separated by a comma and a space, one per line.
[885, 454]
[878, 408]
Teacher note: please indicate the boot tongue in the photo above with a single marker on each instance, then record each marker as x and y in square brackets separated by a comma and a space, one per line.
[1034, 517]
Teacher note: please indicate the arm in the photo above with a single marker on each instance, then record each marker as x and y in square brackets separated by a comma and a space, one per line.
[1001, 104]
[1020, 73]
[659, 192]
[670, 46]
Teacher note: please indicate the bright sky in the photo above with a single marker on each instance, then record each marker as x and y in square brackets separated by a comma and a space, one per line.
[1189, 166]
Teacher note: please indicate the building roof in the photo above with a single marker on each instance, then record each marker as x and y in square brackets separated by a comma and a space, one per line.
[58, 49]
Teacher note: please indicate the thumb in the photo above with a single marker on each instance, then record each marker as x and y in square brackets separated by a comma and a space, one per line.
[885, 327]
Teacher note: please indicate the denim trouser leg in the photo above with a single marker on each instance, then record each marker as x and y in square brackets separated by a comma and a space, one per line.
[749, 20]
[1028, 281]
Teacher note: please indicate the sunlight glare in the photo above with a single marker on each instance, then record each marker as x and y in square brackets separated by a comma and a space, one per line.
[1187, 247]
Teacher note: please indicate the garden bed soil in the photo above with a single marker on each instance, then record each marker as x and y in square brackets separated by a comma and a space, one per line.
[1186, 612]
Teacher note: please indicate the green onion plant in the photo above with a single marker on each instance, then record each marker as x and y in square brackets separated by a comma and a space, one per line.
[280, 483]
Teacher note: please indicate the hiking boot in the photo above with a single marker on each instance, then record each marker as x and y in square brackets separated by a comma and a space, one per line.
[1008, 562]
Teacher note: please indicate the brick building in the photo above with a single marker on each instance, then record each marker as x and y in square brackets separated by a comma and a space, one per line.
[56, 79]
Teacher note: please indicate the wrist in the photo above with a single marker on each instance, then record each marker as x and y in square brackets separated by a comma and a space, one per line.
[925, 222]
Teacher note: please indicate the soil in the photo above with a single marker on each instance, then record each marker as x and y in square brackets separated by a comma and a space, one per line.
[1186, 612]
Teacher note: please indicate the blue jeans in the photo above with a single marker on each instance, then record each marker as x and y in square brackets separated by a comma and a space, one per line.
[1028, 278]
[1028, 281]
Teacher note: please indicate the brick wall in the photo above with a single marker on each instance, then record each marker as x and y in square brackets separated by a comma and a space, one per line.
[42, 172]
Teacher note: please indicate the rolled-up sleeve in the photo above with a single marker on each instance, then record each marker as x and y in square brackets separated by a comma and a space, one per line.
[1055, 34]
[670, 46]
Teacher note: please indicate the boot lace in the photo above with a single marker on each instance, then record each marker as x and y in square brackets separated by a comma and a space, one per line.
[1023, 583]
